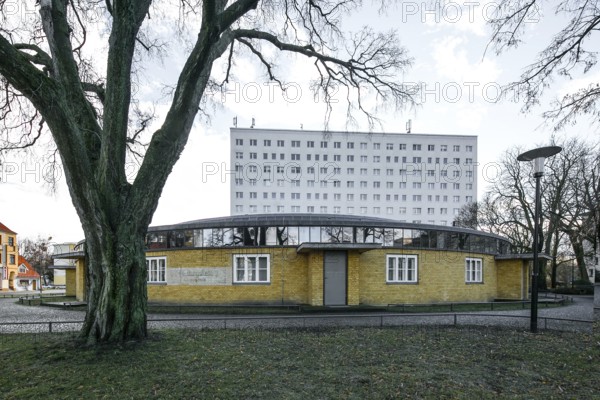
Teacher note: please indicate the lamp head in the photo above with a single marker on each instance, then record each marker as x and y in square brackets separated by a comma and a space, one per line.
[538, 156]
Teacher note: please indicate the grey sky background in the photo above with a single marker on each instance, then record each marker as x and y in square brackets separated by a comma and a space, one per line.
[459, 80]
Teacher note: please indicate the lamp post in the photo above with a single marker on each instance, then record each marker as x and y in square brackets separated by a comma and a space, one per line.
[538, 156]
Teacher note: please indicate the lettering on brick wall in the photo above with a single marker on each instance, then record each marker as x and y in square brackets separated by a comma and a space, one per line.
[199, 276]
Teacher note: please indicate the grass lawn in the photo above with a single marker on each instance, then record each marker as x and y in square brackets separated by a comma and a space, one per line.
[342, 363]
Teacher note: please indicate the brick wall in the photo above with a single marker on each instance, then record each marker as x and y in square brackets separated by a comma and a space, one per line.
[441, 278]
[288, 278]
[298, 278]
[80, 267]
[513, 279]
[70, 282]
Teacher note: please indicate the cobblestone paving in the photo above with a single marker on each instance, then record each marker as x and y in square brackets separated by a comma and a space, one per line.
[18, 318]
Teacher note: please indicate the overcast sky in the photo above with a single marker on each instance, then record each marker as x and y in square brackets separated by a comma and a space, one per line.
[459, 80]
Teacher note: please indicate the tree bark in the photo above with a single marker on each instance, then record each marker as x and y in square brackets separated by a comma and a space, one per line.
[116, 277]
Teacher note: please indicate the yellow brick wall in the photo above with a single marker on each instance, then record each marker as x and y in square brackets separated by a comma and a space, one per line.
[513, 279]
[353, 278]
[298, 278]
[80, 272]
[60, 279]
[289, 279]
[441, 278]
[70, 279]
[315, 278]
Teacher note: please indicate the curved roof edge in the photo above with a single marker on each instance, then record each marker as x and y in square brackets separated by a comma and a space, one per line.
[299, 219]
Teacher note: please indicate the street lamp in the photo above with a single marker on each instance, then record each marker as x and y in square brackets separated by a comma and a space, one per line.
[537, 156]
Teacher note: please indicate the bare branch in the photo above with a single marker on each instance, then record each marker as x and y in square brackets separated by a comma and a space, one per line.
[374, 60]
[566, 53]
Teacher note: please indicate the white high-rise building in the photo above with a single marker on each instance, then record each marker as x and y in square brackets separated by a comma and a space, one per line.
[410, 177]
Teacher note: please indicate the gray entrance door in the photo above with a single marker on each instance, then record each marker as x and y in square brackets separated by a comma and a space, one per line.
[334, 275]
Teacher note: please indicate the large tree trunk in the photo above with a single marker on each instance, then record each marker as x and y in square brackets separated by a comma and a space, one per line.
[116, 277]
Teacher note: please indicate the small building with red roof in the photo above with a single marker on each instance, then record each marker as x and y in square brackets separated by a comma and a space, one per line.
[27, 278]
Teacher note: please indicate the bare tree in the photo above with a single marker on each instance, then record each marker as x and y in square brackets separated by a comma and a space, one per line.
[567, 221]
[579, 209]
[36, 251]
[572, 50]
[468, 216]
[52, 81]
[589, 197]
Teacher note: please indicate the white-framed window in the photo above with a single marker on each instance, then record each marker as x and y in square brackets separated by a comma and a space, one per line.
[251, 268]
[473, 270]
[157, 269]
[402, 268]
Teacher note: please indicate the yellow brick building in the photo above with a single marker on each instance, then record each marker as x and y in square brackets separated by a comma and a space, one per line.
[330, 260]
[9, 256]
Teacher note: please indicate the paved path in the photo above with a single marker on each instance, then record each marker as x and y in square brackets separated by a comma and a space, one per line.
[580, 309]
